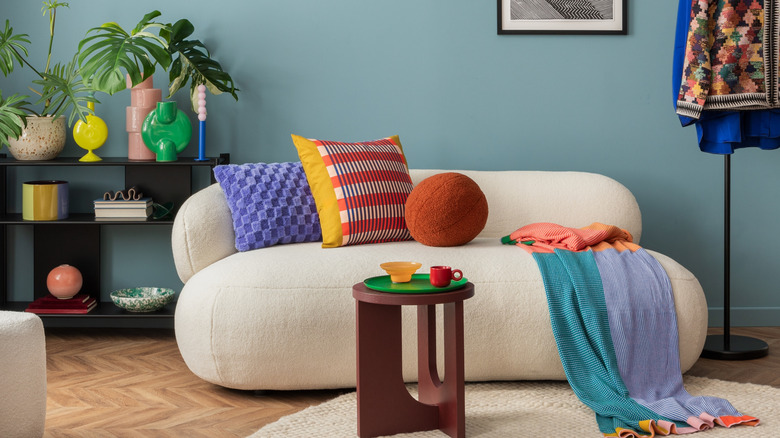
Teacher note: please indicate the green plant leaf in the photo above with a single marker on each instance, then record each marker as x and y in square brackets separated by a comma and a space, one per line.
[10, 46]
[112, 51]
[52, 5]
[63, 91]
[193, 63]
[145, 21]
[12, 117]
[181, 29]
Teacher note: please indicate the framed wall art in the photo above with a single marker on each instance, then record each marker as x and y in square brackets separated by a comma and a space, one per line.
[605, 17]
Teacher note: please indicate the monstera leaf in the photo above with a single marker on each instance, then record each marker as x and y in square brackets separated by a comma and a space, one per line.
[12, 117]
[193, 63]
[10, 46]
[105, 56]
[63, 90]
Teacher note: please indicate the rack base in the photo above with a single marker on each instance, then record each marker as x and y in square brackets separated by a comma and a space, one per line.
[738, 348]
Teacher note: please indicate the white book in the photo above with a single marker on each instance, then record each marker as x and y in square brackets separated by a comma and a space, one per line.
[123, 212]
[140, 203]
[121, 219]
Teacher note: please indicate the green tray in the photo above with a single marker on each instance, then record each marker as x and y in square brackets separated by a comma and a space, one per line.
[420, 284]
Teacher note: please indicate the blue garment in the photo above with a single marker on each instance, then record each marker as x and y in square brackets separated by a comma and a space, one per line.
[680, 38]
[722, 132]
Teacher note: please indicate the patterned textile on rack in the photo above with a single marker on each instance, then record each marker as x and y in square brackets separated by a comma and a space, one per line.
[615, 326]
[721, 131]
[730, 61]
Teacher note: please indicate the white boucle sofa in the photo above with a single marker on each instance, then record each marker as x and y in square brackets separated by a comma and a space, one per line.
[284, 318]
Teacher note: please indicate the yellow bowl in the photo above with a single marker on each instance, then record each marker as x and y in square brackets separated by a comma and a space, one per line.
[401, 272]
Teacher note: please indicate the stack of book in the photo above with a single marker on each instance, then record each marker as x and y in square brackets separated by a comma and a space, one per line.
[81, 303]
[123, 210]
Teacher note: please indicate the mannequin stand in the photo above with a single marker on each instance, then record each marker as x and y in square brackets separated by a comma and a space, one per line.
[726, 346]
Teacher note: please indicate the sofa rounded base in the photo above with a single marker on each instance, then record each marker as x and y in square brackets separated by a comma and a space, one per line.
[291, 324]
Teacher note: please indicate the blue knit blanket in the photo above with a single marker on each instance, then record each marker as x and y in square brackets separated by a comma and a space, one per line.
[614, 321]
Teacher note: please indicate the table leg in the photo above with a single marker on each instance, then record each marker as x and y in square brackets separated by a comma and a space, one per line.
[452, 407]
[449, 394]
[427, 373]
[384, 406]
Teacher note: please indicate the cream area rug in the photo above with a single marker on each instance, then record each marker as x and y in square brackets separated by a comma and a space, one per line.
[533, 409]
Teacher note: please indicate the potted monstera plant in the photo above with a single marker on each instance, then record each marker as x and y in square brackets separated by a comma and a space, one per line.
[37, 132]
[115, 59]
[111, 57]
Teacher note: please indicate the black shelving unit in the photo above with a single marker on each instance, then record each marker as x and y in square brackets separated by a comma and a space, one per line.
[76, 240]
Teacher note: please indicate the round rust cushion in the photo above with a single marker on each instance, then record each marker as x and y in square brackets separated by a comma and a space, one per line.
[447, 209]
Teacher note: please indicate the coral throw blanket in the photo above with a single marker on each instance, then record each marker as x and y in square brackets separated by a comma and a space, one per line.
[615, 326]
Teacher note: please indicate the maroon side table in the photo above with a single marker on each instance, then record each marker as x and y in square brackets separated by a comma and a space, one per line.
[384, 406]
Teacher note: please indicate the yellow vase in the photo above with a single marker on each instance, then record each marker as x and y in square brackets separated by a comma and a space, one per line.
[90, 135]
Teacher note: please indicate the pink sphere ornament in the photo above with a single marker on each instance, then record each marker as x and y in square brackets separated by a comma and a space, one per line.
[202, 103]
[64, 281]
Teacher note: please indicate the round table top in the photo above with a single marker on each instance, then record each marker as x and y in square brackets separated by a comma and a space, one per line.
[366, 295]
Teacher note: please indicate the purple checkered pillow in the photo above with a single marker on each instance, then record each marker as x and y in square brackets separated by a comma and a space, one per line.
[270, 204]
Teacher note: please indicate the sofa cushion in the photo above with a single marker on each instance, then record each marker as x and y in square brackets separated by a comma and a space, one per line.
[360, 189]
[269, 204]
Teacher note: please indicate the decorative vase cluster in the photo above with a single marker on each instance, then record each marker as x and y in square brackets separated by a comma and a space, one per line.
[109, 59]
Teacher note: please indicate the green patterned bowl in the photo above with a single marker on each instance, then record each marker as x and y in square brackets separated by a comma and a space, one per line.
[142, 299]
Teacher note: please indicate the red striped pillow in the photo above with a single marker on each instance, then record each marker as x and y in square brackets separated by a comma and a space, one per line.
[360, 189]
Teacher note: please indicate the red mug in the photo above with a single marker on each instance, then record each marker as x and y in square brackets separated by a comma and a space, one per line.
[442, 275]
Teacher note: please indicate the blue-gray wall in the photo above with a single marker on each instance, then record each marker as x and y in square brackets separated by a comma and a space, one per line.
[461, 97]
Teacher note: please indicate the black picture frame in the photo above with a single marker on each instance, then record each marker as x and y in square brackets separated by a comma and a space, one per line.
[549, 17]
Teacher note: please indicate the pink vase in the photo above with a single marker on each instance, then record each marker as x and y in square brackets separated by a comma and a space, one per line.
[143, 100]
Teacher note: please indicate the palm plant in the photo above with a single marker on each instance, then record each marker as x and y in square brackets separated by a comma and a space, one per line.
[112, 52]
[61, 86]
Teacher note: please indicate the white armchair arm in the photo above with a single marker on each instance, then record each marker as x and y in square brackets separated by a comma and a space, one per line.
[202, 232]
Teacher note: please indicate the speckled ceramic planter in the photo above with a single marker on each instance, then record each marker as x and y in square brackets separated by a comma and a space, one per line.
[42, 139]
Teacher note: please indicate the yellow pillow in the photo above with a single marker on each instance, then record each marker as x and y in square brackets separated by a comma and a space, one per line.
[360, 189]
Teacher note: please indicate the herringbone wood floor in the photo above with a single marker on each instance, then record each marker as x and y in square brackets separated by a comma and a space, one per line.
[134, 383]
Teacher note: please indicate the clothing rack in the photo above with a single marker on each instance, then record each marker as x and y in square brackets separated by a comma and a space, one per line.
[726, 346]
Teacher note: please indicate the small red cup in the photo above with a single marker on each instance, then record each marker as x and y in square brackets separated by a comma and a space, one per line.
[441, 276]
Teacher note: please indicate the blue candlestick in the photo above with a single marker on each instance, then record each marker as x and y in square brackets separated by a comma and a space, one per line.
[202, 124]
[202, 142]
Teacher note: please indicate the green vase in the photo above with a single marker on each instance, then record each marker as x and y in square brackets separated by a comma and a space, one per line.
[166, 131]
